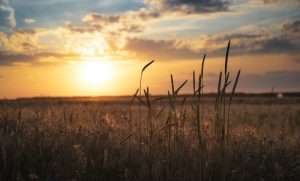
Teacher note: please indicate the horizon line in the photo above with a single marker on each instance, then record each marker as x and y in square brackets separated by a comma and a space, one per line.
[297, 93]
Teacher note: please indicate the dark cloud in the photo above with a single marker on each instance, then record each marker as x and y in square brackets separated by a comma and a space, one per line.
[101, 18]
[26, 31]
[28, 46]
[278, 1]
[253, 43]
[192, 6]
[160, 49]
[291, 26]
[277, 45]
[9, 58]
[132, 28]
[141, 14]
[130, 22]
[79, 29]
[275, 2]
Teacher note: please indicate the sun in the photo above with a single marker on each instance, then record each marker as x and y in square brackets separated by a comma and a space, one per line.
[95, 72]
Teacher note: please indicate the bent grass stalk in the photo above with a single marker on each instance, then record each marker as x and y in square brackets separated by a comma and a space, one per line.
[140, 93]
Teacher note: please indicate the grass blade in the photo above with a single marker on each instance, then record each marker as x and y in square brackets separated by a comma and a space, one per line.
[226, 58]
[235, 85]
[134, 96]
[147, 65]
[180, 87]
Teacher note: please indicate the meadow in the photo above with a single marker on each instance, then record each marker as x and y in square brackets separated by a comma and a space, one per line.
[145, 137]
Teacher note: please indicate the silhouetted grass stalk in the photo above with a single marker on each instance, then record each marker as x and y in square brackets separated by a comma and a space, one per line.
[140, 93]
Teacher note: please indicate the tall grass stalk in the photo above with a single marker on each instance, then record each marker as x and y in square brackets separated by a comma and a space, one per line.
[140, 93]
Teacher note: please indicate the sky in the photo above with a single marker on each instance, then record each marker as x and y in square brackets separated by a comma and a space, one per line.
[98, 47]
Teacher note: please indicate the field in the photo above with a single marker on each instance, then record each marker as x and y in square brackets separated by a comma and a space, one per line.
[98, 139]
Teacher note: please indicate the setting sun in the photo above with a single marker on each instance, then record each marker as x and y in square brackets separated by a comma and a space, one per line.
[95, 72]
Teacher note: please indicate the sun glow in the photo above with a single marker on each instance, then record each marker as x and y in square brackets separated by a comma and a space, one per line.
[96, 72]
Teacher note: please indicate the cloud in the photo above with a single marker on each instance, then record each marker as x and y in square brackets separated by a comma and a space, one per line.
[104, 19]
[253, 42]
[275, 2]
[1, 76]
[30, 43]
[291, 26]
[11, 58]
[260, 42]
[29, 20]
[280, 1]
[110, 35]
[190, 6]
[277, 44]
[159, 49]
[11, 19]
[130, 22]
[80, 29]
[19, 40]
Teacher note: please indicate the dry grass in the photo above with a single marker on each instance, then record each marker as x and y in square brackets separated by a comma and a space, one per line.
[92, 141]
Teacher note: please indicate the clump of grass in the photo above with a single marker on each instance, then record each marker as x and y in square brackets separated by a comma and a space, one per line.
[222, 119]
[222, 111]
